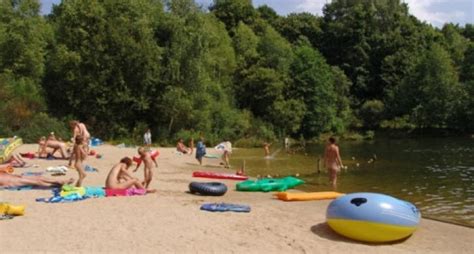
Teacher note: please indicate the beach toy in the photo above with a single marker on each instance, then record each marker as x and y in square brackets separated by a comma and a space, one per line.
[8, 145]
[96, 142]
[99, 156]
[372, 217]
[289, 196]
[217, 175]
[153, 155]
[225, 207]
[269, 184]
[92, 152]
[9, 209]
[208, 189]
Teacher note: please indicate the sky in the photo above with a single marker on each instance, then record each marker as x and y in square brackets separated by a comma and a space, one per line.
[436, 12]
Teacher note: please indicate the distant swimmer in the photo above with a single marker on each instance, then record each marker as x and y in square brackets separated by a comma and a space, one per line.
[266, 148]
[332, 160]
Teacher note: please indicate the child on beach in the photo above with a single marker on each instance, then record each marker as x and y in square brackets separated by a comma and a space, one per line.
[200, 150]
[227, 153]
[147, 139]
[148, 166]
[119, 178]
[79, 155]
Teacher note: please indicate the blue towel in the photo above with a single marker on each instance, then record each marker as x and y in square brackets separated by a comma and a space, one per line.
[95, 192]
[58, 199]
[224, 207]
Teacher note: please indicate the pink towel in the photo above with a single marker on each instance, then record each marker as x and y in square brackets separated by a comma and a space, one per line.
[134, 191]
[124, 192]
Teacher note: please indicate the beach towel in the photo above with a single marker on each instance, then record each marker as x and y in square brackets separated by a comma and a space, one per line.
[124, 192]
[95, 192]
[58, 199]
[225, 207]
[68, 190]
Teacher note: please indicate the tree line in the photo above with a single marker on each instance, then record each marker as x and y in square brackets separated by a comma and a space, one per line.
[231, 70]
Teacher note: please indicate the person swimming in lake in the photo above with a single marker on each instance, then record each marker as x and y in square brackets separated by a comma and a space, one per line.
[332, 161]
[266, 148]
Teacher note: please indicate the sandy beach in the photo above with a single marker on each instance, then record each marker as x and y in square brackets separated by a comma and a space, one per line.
[170, 220]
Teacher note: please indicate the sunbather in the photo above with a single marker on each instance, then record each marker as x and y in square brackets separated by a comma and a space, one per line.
[120, 178]
[11, 180]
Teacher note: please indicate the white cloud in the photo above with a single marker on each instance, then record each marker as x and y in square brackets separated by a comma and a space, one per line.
[312, 6]
[427, 10]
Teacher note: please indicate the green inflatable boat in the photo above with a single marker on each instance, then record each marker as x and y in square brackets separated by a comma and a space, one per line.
[269, 184]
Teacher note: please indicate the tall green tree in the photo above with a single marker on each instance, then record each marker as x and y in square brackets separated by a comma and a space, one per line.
[432, 92]
[313, 83]
[104, 61]
[24, 35]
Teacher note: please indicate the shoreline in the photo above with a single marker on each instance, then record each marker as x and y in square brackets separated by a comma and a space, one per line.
[170, 221]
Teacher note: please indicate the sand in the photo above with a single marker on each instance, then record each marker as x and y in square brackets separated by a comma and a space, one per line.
[170, 221]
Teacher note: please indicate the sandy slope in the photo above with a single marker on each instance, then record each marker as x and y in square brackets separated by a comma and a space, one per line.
[171, 222]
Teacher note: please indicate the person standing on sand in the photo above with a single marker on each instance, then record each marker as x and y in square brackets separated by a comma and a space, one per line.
[200, 150]
[332, 160]
[79, 128]
[80, 155]
[148, 166]
[147, 139]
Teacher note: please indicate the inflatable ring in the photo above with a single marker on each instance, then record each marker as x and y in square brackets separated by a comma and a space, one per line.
[208, 189]
[372, 217]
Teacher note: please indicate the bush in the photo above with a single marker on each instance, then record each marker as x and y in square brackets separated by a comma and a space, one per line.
[41, 125]
[371, 113]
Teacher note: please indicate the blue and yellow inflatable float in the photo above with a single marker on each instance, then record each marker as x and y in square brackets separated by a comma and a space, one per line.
[372, 217]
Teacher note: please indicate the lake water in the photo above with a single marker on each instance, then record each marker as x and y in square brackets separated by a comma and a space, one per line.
[436, 174]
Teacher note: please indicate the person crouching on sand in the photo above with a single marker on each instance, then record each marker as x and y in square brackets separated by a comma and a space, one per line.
[119, 178]
[79, 156]
[148, 166]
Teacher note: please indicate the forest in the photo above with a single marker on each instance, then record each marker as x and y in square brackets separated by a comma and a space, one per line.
[231, 70]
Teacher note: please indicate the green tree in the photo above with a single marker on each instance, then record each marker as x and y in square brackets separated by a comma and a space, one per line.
[231, 12]
[313, 83]
[297, 25]
[105, 61]
[432, 92]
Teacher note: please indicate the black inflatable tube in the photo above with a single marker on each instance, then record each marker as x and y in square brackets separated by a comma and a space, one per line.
[208, 189]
